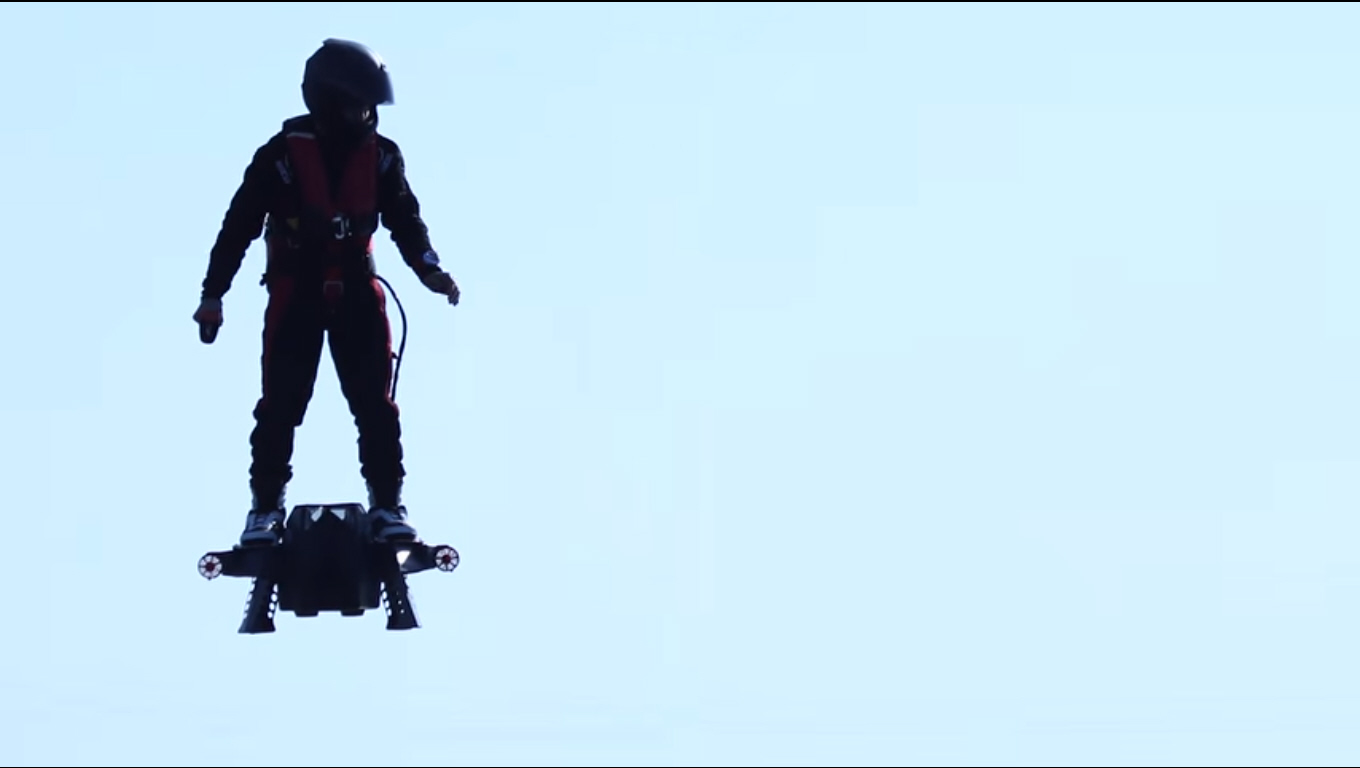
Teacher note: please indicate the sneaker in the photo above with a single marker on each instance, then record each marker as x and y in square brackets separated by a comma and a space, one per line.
[264, 524]
[263, 528]
[389, 524]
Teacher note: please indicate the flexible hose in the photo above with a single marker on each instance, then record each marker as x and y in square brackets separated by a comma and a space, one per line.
[401, 348]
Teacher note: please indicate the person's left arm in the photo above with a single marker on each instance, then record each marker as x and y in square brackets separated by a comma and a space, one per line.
[399, 211]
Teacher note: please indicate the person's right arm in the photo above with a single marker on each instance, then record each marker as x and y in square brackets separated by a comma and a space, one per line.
[244, 219]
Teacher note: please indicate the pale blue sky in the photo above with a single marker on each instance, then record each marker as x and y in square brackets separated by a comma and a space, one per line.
[833, 384]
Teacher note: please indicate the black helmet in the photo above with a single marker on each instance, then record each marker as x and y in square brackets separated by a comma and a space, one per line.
[343, 84]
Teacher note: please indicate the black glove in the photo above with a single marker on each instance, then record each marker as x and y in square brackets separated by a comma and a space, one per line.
[209, 319]
[442, 282]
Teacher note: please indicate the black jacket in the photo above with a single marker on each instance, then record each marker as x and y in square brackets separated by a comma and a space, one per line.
[398, 209]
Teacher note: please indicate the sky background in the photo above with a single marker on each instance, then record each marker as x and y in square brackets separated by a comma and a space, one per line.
[833, 384]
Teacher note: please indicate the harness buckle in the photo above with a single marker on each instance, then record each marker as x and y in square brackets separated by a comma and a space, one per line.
[333, 290]
[340, 226]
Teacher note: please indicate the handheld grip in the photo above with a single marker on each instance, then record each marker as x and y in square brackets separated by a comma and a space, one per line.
[207, 332]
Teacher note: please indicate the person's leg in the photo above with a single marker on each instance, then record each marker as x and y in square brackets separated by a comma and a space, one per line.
[293, 331]
[361, 345]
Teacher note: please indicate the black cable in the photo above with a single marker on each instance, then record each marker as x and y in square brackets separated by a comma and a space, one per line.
[401, 348]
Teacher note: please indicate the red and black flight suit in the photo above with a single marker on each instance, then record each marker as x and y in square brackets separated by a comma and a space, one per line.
[319, 207]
